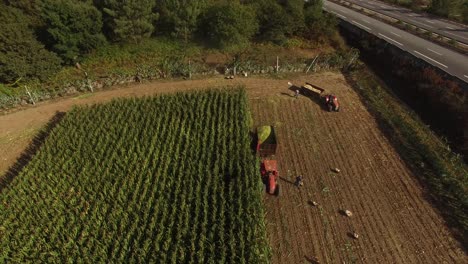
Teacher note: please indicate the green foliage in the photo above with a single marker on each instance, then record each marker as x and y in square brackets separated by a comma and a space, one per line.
[21, 55]
[323, 28]
[295, 19]
[73, 27]
[464, 12]
[129, 21]
[179, 18]
[272, 23]
[228, 24]
[313, 11]
[147, 51]
[447, 8]
[30, 8]
[167, 179]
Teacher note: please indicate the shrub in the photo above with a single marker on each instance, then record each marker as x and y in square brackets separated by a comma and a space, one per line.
[21, 55]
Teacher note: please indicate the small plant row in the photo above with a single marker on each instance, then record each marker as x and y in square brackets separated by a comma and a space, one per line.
[170, 67]
[167, 179]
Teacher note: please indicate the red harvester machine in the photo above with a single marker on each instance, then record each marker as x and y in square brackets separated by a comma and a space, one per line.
[266, 147]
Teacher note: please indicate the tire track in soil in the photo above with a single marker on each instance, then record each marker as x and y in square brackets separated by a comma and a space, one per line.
[337, 185]
[394, 221]
[325, 191]
[392, 186]
[357, 136]
[301, 163]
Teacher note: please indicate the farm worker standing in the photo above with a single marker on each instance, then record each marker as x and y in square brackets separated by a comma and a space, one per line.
[299, 181]
[296, 95]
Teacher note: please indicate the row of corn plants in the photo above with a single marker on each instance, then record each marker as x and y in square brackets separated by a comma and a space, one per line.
[167, 179]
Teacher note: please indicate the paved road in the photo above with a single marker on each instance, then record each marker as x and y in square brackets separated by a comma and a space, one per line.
[449, 61]
[440, 26]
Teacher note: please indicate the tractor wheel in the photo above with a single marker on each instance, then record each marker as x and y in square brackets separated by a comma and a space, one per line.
[277, 190]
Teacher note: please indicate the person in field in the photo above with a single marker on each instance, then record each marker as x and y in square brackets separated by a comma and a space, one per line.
[299, 181]
[296, 94]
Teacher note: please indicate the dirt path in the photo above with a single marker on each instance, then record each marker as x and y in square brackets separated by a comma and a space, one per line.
[395, 222]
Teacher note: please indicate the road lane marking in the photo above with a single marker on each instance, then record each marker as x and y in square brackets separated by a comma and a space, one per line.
[450, 28]
[443, 65]
[336, 14]
[434, 51]
[428, 21]
[359, 24]
[450, 33]
[417, 22]
[466, 76]
[395, 34]
[427, 25]
[367, 21]
[391, 39]
[341, 16]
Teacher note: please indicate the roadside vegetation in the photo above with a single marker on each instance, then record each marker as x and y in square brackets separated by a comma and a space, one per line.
[442, 172]
[141, 180]
[51, 48]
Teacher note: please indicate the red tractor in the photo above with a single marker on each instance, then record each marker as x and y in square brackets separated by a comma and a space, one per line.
[332, 103]
[266, 147]
[270, 176]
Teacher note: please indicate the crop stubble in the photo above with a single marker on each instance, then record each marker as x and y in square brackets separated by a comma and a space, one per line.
[394, 220]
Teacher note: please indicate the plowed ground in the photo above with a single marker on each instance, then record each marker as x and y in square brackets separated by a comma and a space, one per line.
[395, 223]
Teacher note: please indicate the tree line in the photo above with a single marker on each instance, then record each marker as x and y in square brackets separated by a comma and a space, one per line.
[38, 37]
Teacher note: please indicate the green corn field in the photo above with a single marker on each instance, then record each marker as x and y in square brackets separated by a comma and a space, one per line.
[167, 179]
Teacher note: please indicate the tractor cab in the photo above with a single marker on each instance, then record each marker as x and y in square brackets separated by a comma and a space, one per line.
[266, 148]
[269, 172]
[332, 103]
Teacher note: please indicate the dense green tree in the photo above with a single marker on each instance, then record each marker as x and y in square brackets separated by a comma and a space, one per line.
[313, 10]
[318, 23]
[128, 20]
[465, 12]
[72, 27]
[272, 23]
[228, 24]
[179, 17]
[21, 55]
[447, 8]
[294, 11]
[29, 7]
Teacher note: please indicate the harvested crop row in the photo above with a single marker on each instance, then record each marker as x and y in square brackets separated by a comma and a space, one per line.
[167, 179]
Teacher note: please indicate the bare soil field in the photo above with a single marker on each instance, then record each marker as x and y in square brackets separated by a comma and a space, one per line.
[395, 222]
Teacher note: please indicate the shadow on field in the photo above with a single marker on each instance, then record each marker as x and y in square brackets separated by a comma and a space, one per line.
[312, 260]
[290, 95]
[253, 142]
[286, 180]
[30, 151]
[306, 94]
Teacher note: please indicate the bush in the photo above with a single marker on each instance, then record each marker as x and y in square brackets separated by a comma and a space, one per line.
[21, 55]
[73, 28]
[228, 24]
